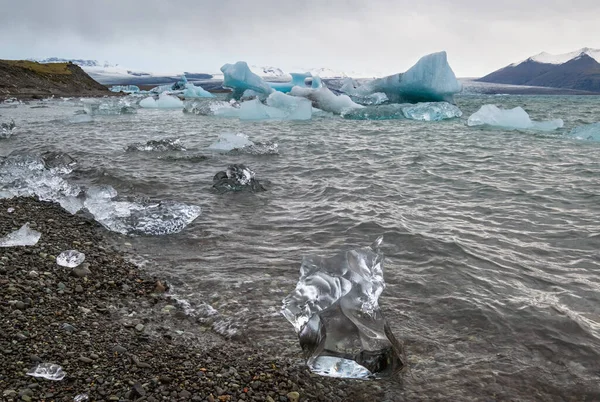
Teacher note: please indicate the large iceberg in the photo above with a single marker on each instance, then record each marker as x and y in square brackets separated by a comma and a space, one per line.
[322, 98]
[589, 132]
[516, 119]
[239, 79]
[427, 111]
[430, 80]
[164, 101]
[193, 91]
[298, 79]
[335, 312]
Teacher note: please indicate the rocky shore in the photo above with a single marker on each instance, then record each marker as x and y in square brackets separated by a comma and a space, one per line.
[117, 334]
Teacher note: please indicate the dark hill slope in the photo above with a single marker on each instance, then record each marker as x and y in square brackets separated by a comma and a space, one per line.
[27, 79]
[580, 73]
[520, 74]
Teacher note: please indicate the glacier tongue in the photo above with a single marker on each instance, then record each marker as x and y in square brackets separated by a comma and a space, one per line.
[430, 80]
[517, 118]
[335, 312]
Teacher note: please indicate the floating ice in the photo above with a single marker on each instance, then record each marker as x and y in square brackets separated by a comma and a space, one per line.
[229, 141]
[237, 178]
[298, 79]
[164, 145]
[70, 258]
[58, 161]
[108, 107]
[588, 132]
[22, 237]
[294, 108]
[49, 371]
[349, 87]
[164, 101]
[81, 118]
[517, 118]
[129, 89]
[322, 98]
[431, 111]
[193, 91]
[336, 314]
[239, 78]
[7, 129]
[206, 107]
[431, 79]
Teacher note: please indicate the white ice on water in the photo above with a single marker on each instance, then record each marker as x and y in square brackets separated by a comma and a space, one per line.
[70, 258]
[322, 98]
[230, 141]
[516, 119]
[193, 91]
[164, 101]
[590, 132]
[279, 106]
[25, 236]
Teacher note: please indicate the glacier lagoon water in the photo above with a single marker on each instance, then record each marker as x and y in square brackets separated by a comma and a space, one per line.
[492, 236]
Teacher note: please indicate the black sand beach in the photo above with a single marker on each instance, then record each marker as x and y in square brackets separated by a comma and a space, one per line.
[118, 335]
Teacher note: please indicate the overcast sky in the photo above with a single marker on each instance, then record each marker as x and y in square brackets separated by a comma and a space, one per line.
[372, 36]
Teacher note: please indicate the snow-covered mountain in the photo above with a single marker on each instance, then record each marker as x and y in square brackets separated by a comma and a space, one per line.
[80, 62]
[578, 70]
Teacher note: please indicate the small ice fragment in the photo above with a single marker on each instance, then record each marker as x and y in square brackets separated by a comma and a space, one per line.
[237, 178]
[229, 141]
[22, 237]
[70, 258]
[7, 129]
[49, 371]
[81, 397]
[335, 312]
[10, 210]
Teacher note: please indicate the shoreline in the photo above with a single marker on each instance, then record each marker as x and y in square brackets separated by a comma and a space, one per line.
[118, 335]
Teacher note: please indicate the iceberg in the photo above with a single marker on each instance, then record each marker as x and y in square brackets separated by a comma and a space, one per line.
[237, 178]
[129, 89]
[81, 118]
[206, 106]
[517, 118]
[279, 106]
[239, 78]
[229, 141]
[427, 111]
[70, 258]
[298, 79]
[7, 129]
[25, 236]
[335, 312]
[164, 101]
[107, 107]
[294, 108]
[589, 132]
[193, 91]
[430, 80]
[349, 87]
[322, 98]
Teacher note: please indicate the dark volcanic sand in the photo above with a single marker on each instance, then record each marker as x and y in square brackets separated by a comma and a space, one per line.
[108, 354]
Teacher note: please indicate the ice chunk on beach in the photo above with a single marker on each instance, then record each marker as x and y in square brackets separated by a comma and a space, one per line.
[163, 145]
[70, 258]
[239, 78]
[237, 178]
[431, 111]
[517, 118]
[230, 141]
[431, 79]
[590, 132]
[81, 398]
[164, 101]
[193, 91]
[322, 98]
[129, 89]
[49, 371]
[7, 129]
[335, 312]
[298, 79]
[25, 236]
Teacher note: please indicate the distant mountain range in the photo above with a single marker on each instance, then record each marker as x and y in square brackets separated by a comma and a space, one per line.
[578, 70]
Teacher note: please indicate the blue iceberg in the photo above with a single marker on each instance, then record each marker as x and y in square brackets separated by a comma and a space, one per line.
[430, 80]
[590, 132]
[514, 119]
[279, 106]
[193, 91]
[298, 80]
[239, 79]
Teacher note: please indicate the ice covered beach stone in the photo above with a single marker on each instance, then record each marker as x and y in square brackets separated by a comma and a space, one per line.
[335, 311]
[49, 371]
[70, 258]
[517, 118]
[22, 237]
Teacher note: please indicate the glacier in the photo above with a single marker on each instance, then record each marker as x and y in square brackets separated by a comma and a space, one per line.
[430, 80]
[335, 312]
[427, 111]
[164, 101]
[517, 118]
[590, 132]
[239, 78]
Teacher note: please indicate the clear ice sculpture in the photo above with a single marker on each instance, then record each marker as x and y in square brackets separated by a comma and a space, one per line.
[335, 312]
[49, 371]
[70, 258]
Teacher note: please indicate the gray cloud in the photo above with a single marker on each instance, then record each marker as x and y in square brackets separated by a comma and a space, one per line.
[378, 36]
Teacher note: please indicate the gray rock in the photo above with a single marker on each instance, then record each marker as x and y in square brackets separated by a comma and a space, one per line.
[20, 305]
[85, 359]
[79, 289]
[139, 327]
[81, 271]
[119, 349]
